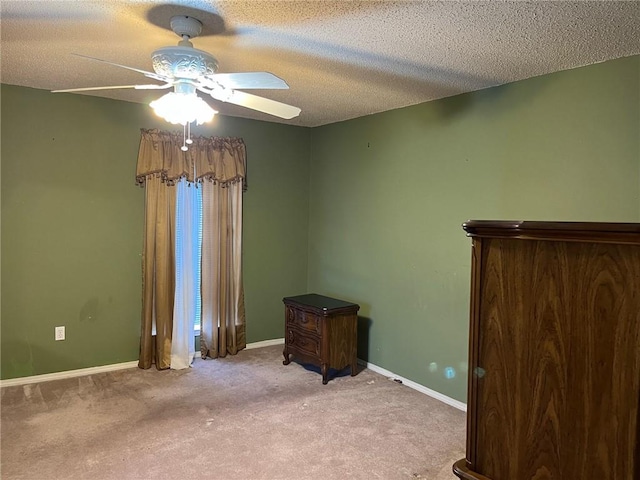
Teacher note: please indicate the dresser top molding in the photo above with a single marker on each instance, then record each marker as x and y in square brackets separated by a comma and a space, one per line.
[594, 232]
[326, 306]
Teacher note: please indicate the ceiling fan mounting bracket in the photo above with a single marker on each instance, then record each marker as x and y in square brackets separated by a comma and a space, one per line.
[183, 25]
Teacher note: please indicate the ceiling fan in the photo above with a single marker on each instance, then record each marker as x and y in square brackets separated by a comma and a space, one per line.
[188, 70]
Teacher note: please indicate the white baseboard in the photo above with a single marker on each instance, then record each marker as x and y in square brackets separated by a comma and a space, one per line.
[416, 386]
[265, 343]
[47, 377]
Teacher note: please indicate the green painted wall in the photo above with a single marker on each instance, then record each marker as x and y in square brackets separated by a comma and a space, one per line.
[378, 223]
[389, 192]
[72, 222]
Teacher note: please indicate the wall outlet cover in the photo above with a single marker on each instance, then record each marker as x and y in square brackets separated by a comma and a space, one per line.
[60, 333]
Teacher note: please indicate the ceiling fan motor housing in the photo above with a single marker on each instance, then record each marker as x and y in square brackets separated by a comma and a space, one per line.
[183, 62]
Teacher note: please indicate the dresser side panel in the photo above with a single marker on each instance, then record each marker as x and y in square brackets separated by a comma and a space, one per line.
[342, 331]
[474, 347]
[559, 360]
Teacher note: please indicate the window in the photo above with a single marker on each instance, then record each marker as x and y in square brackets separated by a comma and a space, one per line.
[188, 249]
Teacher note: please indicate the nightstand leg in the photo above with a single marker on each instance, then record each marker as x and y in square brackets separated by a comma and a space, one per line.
[354, 367]
[285, 353]
[325, 370]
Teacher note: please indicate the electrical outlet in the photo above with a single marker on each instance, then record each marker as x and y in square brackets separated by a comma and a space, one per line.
[59, 333]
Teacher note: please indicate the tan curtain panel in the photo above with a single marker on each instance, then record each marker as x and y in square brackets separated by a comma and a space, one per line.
[219, 164]
[158, 274]
[223, 318]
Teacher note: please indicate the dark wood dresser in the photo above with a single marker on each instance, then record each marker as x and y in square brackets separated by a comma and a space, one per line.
[554, 361]
[322, 331]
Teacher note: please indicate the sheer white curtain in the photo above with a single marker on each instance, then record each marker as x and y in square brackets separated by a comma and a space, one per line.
[188, 254]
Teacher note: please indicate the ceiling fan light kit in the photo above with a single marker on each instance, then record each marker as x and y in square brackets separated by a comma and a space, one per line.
[183, 108]
[188, 70]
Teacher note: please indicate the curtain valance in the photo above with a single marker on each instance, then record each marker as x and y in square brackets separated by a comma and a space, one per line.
[222, 160]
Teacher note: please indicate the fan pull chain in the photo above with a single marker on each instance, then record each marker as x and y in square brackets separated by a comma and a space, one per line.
[189, 141]
[186, 136]
[184, 147]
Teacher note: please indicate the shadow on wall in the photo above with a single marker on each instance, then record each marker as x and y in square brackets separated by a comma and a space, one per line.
[364, 326]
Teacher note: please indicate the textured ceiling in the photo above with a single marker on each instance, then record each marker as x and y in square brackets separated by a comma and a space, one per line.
[342, 59]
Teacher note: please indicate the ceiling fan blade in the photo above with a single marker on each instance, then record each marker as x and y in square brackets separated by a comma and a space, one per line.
[137, 87]
[254, 102]
[249, 80]
[144, 72]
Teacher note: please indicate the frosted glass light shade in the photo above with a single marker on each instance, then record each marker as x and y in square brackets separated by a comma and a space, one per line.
[183, 108]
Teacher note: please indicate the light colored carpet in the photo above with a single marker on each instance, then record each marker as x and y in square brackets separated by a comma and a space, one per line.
[241, 417]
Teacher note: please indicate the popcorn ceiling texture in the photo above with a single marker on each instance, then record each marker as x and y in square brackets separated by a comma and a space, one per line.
[342, 59]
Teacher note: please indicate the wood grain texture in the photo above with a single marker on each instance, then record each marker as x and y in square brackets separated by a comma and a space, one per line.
[306, 346]
[302, 320]
[554, 391]
[342, 339]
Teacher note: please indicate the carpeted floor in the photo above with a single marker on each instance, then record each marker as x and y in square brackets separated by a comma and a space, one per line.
[241, 417]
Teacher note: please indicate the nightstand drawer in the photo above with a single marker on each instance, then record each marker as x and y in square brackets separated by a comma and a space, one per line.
[302, 343]
[303, 320]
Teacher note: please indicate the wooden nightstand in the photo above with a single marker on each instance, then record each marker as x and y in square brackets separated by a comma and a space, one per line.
[322, 331]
